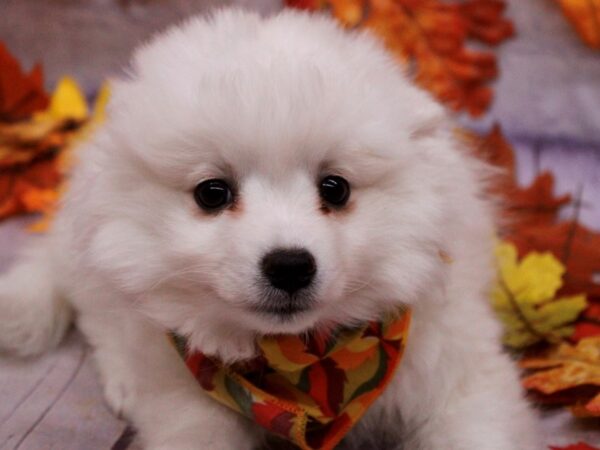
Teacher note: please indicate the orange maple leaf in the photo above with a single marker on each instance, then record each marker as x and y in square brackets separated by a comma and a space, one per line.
[568, 367]
[430, 36]
[20, 95]
[28, 188]
[584, 15]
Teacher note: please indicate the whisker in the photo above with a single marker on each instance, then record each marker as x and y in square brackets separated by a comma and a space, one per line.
[361, 285]
[191, 270]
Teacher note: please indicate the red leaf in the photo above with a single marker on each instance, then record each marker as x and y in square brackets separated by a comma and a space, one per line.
[304, 4]
[20, 95]
[589, 323]
[522, 206]
[579, 446]
[536, 204]
[486, 21]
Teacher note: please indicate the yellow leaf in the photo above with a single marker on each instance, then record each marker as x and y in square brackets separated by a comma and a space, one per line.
[67, 157]
[525, 298]
[67, 102]
[99, 112]
[98, 116]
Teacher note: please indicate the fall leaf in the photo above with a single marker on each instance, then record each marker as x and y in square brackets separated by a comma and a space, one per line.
[22, 142]
[531, 223]
[100, 104]
[531, 205]
[525, 298]
[584, 15]
[349, 12]
[578, 446]
[31, 152]
[72, 104]
[67, 102]
[492, 148]
[306, 4]
[430, 36]
[589, 323]
[536, 204]
[20, 95]
[485, 22]
[28, 151]
[566, 367]
[575, 245]
[28, 189]
[549, 249]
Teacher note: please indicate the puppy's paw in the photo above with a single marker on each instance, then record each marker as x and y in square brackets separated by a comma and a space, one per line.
[214, 432]
[473, 435]
[117, 395]
[118, 384]
[33, 316]
[200, 442]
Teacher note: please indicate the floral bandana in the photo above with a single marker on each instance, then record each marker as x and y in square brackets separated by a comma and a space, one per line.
[309, 390]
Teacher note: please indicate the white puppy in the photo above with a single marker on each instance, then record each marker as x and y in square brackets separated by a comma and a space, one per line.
[240, 144]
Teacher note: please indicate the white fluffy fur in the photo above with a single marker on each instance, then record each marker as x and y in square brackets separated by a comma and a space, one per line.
[273, 104]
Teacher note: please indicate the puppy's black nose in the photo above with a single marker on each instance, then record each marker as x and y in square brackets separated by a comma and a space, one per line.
[289, 269]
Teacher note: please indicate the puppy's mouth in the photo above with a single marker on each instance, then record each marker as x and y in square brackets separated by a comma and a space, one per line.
[284, 306]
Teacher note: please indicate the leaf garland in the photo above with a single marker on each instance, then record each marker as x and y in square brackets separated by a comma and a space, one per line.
[430, 37]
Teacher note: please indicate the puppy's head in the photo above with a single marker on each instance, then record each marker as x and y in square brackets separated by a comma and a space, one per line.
[270, 176]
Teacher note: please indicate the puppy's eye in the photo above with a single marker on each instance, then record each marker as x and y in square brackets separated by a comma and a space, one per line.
[334, 190]
[213, 194]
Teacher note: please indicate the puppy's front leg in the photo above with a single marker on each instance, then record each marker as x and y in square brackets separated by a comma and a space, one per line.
[457, 390]
[145, 379]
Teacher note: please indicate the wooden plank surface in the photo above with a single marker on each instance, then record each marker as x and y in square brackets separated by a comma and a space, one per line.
[55, 402]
